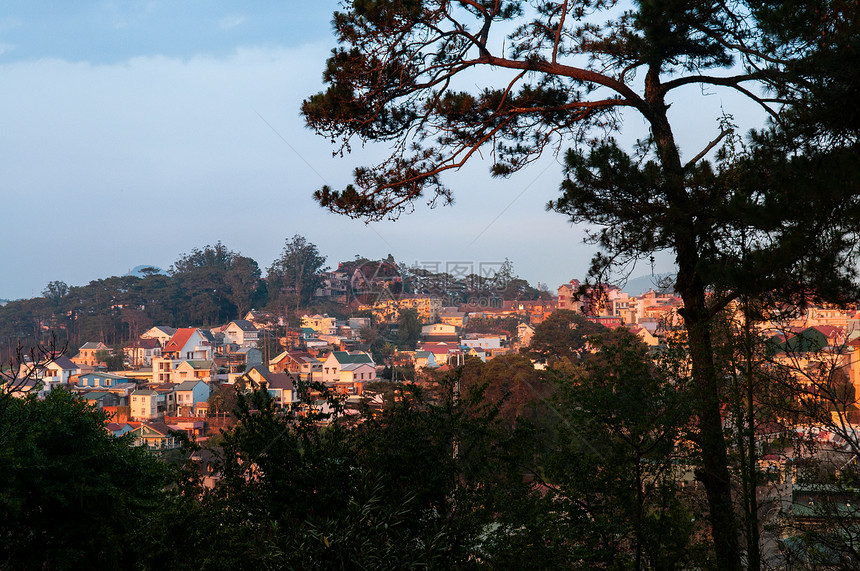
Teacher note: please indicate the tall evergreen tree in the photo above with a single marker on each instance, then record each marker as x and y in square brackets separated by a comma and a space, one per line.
[563, 73]
[295, 275]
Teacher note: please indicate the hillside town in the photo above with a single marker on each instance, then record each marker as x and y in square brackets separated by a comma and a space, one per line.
[168, 374]
[175, 384]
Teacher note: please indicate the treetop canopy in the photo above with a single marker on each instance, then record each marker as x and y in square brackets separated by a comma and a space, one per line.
[564, 70]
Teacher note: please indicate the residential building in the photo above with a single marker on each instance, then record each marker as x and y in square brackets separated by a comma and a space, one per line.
[533, 310]
[647, 337]
[155, 436]
[190, 393]
[335, 361]
[193, 369]
[354, 375]
[188, 343]
[425, 360]
[242, 333]
[453, 316]
[239, 361]
[87, 353]
[61, 370]
[525, 332]
[387, 310]
[281, 386]
[160, 333]
[144, 405]
[300, 363]
[441, 351]
[334, 285]
[440, 332]
[483, 341]
[100, 380]
[568, 297]
[320, 324]
[263, 319]
[139, 353]
[162, 369]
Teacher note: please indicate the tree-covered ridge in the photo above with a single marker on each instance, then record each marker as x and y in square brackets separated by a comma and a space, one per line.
[213, 285]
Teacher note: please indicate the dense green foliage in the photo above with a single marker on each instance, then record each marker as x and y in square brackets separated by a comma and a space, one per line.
[487, 468]
[500, 465]
[72, 495]
[295, 275]
[408, 329]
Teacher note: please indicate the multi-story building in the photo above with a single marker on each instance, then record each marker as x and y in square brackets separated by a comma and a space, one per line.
[144, 405]
[139, 353]
[87, 353]
[429, 308]
[320, 324]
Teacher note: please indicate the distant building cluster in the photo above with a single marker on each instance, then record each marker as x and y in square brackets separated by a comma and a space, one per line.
[174, 379]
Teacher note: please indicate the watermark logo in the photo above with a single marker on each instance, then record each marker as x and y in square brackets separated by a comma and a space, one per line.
[454, 282]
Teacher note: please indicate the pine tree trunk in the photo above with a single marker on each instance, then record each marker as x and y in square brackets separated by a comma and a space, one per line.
[714, 473]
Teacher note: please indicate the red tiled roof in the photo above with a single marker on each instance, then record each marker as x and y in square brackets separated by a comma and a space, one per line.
[179, 339]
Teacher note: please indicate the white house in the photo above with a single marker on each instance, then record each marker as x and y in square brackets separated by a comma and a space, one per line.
[337, 359]
[61, 370]
[160, 333]
[354, 375]
[242, 333]
[190, 344]
[144, 404]
[483, 342]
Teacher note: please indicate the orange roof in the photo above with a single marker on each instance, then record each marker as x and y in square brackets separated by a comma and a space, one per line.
[179, 339]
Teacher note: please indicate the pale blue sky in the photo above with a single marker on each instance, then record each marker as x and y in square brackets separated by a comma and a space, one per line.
[135, 131]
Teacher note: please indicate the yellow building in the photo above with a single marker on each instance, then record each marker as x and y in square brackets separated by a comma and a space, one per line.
[322, 324]
[388, 310]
